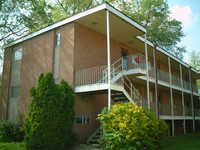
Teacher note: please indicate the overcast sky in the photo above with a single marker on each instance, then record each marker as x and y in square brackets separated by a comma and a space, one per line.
[188, 12]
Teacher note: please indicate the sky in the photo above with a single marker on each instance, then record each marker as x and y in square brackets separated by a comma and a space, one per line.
[188, 12]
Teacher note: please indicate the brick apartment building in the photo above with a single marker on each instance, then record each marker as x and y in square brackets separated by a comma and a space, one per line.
[105, 57]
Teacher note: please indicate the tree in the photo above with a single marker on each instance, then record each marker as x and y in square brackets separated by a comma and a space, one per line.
[154, 16]
[194, 59]
[127, 126]
[44, 12]
[50, 115]
[11, 21]
[20, 16]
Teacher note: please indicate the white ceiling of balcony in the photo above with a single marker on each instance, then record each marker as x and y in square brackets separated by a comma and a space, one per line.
[124, 32]
[120, 30]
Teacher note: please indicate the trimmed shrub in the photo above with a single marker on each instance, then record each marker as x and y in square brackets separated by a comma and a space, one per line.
[11, 132]
[50, 115]
[130, 127]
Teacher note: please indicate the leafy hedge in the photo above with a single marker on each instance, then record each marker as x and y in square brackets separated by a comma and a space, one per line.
[50, 115]
[11, 132]
[129, 127]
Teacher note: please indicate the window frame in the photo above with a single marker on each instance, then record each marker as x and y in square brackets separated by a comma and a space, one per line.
[85, 119]
[17, 53]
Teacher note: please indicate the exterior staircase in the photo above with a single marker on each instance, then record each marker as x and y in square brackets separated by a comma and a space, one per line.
[96, 80]
[93, 139]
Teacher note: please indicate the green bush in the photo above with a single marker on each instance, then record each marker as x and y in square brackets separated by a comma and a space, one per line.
[11, 132]
[130, 127]
[50, 115]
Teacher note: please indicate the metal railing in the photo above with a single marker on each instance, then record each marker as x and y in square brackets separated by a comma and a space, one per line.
[178, 110]
[176, 81]
[90, 76]
[134, 61]
[188, 111]
[195, 88]
[197, 111]
[99, 75]
[164, 109]
[131, 90]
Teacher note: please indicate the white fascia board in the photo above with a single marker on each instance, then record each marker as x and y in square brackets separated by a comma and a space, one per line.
[124, 17]
[164, 52]
[58, 24]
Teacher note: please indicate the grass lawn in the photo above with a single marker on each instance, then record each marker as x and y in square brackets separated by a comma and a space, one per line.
[12, 146]
[187, 142]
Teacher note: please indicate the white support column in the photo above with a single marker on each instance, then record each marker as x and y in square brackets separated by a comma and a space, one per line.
[156, 90]
[108, 57]
[147, 72]
[171, 95]
[192, 103]
[183, 104]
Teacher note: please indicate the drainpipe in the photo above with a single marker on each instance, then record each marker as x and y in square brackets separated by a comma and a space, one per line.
[108, 57]
[156, 80]
[192, 101]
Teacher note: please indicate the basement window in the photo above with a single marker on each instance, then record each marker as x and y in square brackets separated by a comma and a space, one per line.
[82, 119]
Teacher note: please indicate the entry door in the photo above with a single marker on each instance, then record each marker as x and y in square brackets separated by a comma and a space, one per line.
[124, 60]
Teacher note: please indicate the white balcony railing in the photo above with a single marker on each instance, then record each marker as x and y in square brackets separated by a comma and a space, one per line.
[90, 76]
[99, 74]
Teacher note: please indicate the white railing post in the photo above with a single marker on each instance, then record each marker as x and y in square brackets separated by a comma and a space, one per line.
[170, 81]
[192, 101]
[147, 72]
[183, 105]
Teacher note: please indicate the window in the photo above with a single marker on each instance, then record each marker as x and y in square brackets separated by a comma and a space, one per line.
[14, 92]
[82, 119]
[18, 54]
[57, 40]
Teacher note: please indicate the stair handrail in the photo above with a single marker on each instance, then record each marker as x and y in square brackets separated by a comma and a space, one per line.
[132, 88]
[113, 64]
[113, 69]
[94, 133]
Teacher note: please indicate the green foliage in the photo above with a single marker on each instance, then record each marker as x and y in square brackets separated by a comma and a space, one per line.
[50, 115]
[129, 127]
[11, 132]
[194, 59]
[45, 12]
[12, 146]
[154, 15]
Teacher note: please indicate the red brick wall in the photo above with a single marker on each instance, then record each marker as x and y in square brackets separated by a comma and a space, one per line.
[66, 57]
[90, 106]
[37, 58]
[5, 82]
